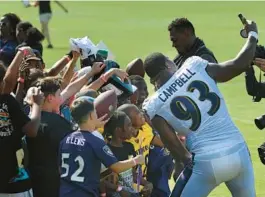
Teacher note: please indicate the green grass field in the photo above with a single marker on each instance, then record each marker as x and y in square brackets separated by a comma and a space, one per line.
[134, 29]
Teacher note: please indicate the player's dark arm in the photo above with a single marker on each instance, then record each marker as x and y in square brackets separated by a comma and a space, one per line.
[226, 71]
[170, 139]
[209, 58]
[157, 141]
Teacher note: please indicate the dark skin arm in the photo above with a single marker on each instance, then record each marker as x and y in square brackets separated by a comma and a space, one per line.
[209, 58]
[228, 70]
[171, 140]
[58, 66]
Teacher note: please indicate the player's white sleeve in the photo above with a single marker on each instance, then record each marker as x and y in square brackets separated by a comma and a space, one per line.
[150, 107]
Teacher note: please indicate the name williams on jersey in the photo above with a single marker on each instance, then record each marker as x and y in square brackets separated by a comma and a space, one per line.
[183, 78]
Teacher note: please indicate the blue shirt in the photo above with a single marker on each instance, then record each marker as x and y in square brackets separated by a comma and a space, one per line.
[81, 155]
[7, 51]
[159, 170]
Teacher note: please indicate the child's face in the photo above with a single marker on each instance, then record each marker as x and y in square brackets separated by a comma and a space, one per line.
[128, 130]
[138, 119]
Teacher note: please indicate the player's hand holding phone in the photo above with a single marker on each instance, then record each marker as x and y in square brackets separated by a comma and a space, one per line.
[249, 26]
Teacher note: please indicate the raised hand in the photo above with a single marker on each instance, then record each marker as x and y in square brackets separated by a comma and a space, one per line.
[37, 96]
[97, 67]
[102, 121]
[121, 74]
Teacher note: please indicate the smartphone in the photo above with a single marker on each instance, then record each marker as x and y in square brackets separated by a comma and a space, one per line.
[242, 19]
[243, 32]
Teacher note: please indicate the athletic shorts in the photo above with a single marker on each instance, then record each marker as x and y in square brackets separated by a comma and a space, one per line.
[22, 194]
[44, 18]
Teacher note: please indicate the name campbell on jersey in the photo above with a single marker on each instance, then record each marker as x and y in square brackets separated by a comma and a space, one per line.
[192, 104]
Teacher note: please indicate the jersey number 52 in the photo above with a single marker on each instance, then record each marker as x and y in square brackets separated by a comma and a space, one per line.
[184, 108]
[76, 175]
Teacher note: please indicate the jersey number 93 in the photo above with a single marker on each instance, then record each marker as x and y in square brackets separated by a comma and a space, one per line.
[184, 108]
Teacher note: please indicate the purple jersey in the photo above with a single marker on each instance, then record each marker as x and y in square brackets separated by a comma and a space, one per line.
[81, 155]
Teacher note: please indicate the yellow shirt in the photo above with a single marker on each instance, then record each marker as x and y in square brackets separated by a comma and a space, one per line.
[146, 135]
[100, 130]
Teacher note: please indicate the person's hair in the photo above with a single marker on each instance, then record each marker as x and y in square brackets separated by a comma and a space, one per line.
[135, 79]
[80, 109]
[49, 85]
[181, 24]
[13, 20]
[24, 25]
[34, 36]
[116, 121]
[155, 63]
[2, 71]
[34, 77]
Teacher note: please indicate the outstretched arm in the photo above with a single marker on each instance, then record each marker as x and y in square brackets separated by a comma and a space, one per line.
[171, 140]
[226, 71]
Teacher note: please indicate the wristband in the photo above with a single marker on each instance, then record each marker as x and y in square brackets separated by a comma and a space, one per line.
[103, 194]
[253, 34]
[25, 52]
[20, 80]
[103, 78]
[119, 188]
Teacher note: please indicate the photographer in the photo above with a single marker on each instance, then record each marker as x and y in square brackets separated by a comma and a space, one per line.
[255, 88]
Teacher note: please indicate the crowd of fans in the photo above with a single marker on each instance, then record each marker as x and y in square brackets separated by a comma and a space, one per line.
[41, 108]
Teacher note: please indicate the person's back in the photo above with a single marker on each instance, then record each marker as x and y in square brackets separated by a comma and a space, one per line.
[75, 150]
[191, 100]
[43, 154]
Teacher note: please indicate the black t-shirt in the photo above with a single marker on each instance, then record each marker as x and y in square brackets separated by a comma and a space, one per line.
[12, 120]
[44, 7]
[43, 154]
[123, 153]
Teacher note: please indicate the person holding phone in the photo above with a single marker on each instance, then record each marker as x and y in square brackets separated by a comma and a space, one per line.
[190, 103]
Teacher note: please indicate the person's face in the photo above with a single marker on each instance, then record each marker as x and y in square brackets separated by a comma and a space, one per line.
[171, 66]
[21, 35]
[5, 28]
[128, 130]
[55, 101]
[138, 119]
[180, 40]
[142, 93]
[35, 64]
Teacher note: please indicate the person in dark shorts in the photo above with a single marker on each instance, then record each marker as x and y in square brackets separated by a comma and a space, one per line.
[45, 15]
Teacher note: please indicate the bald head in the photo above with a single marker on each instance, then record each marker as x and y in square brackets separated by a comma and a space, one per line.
[154, 64]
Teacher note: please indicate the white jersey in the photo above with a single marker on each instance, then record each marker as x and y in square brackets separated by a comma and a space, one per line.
[192, 104]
